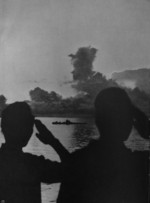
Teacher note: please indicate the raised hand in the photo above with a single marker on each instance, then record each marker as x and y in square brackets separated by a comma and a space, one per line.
[47, 137]
[44, 135]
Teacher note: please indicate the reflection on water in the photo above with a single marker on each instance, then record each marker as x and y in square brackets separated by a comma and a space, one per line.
[82, 135]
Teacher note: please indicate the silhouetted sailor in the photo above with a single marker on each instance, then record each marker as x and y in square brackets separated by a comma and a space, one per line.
[106, 171]
[22, 173]
[123, 173]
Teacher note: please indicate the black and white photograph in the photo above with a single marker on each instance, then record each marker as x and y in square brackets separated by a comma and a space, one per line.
[74, 101]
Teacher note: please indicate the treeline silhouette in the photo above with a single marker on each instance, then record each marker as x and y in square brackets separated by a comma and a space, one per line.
[46, 103]
[51, 103]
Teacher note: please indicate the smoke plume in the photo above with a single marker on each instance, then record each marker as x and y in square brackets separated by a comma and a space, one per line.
[86, 80]
[82, 63]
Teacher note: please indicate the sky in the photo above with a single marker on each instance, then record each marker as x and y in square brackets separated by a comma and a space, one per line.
[36, 37]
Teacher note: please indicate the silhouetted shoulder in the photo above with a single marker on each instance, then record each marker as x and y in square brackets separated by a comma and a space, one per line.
[48, 171]
[35, 168]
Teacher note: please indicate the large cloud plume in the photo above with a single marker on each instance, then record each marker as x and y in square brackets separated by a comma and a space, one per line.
[83, 63]
[86, 80]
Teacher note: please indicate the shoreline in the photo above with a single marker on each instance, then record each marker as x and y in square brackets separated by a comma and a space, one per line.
[63, 116]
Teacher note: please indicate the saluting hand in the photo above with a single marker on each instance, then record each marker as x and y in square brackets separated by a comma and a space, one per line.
[44, 135]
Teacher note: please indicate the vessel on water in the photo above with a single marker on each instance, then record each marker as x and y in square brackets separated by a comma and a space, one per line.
[67, 122]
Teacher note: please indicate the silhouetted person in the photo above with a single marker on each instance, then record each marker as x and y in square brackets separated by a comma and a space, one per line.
[106, 171]
[22, 173]
[124, 173]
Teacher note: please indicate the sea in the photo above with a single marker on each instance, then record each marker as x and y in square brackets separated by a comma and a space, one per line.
[73, 137]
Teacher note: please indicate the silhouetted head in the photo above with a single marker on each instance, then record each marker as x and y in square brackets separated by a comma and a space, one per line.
[17, 124]
[113, 117]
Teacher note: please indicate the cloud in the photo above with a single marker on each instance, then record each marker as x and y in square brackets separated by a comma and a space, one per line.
[36, 37]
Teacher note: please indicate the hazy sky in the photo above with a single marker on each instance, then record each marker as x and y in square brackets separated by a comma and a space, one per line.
[36, 37]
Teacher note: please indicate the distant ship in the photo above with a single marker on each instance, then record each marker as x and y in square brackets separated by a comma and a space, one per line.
[67, 122]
